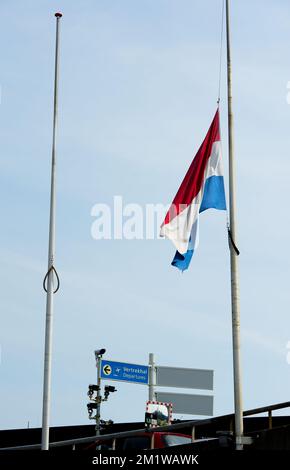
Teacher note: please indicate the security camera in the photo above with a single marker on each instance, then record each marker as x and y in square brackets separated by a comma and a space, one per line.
[100, 352]
[92, 406]
[92, 390]
[109, 388]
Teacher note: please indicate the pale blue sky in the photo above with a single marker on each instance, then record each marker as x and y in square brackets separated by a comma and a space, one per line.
[138, 89]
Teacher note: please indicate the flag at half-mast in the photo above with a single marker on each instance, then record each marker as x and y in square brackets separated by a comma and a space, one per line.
[201, 189]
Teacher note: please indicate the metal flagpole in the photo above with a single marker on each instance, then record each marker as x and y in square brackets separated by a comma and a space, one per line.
[234, 255]
[51, 272]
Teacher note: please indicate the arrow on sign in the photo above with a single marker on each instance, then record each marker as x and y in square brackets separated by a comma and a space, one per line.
[107, 369]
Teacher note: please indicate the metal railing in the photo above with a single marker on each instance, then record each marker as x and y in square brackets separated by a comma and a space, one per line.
[192, 425]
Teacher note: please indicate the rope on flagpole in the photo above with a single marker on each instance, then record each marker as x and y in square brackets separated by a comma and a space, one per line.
[53, 270]
[231, 240]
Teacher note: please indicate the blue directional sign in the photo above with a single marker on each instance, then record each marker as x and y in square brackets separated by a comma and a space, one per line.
[124, 372]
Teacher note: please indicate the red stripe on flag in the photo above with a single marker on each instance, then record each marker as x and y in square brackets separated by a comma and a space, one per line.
[193, 180]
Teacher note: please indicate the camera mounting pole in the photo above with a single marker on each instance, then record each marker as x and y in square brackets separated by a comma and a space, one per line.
[98, 355]
[98, 415]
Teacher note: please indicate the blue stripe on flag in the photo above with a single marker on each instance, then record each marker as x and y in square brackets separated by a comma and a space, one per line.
[182, 261]
[214, 194]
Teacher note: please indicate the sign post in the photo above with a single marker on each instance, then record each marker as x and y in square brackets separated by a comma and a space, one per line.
[152, 378]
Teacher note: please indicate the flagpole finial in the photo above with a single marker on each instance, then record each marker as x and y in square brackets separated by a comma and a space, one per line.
[58, 15]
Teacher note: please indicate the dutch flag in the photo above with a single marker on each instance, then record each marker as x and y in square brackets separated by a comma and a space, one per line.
[201, 189]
